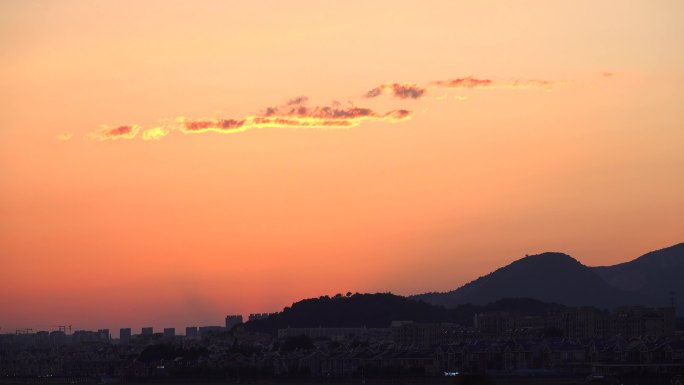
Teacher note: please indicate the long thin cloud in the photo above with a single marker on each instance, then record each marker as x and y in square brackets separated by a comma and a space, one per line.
[467, 82]
[515, 84]
[295, 113]
[413, 91]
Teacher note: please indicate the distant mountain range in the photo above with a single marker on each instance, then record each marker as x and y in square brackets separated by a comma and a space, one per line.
[557, 277]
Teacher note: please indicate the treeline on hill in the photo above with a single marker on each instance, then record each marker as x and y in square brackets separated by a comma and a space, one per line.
[379, 310]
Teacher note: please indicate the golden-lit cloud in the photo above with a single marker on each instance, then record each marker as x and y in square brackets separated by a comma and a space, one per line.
[155, 133]
[295, 113]
[398, 90]
[119, 132]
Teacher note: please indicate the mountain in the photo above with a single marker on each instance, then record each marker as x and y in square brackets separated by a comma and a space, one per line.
[557, 277]
[650, 278]
[358, 310]
[550, 277]
[379, 310]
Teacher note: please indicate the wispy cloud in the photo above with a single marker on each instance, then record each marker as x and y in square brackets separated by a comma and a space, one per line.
[398, 90]
[414, 91]
[467, 82]
[296, 113]
[119, 132]
[515, 84]
[64, 136]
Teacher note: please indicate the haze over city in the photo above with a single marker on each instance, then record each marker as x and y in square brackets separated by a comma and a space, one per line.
[375, 146]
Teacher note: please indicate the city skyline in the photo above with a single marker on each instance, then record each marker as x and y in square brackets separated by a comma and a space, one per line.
[386, 146]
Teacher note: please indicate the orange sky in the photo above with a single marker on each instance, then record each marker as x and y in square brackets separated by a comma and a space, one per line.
[584, 154]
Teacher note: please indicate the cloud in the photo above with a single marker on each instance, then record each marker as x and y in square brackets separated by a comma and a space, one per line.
[297, 100]
[413, 91]
[295, 114]
[155, 133]
[220, 125]
[468, 82]
[398, 90]
[516, 84]
[119, 132]
[527, 84]
[64, 136]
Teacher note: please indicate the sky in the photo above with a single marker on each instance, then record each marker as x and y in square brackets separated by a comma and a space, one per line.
[166, 163]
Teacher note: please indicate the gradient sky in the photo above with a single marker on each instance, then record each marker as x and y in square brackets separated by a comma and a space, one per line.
[576, 145]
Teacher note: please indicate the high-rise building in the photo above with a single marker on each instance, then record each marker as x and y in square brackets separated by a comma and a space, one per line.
[103, 335]
[232, 320]
[124, 336]
[58, 337]
[169, 332]
[191, 332]
[148, 331]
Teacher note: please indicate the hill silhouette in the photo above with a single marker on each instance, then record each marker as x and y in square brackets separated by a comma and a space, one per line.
[551, 277]
[379, 310]
[557, 277]
[652, 277]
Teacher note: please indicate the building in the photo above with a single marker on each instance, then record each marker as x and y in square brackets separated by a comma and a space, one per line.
[147, 331]
[58, 337]
[103, 335]
[256, 316]
[628, 322]
[191, 332]
[416, 335]
[124, 336]
[640, 321]
[232, 320]
[80, 336]
[510, 324]
[335, 334]
[169, 332]
[496, 323]
[584, 322]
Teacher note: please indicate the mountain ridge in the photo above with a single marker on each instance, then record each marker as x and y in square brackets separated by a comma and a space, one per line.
[560, 278]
